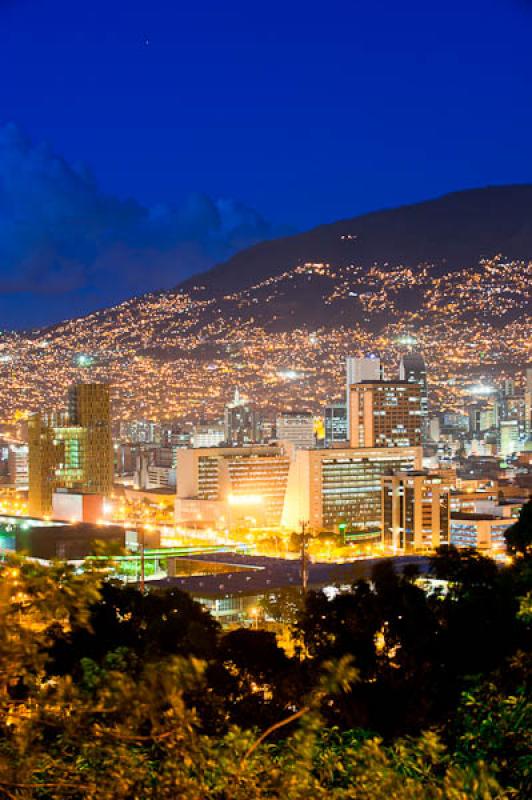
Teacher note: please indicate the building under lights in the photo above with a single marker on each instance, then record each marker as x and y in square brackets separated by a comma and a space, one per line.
[481, 531]
[240, 422]
[71, 450]
[229, 486]
[296, 427]
[415, 511]
[412, 369]
[339, 490]
[385, 414]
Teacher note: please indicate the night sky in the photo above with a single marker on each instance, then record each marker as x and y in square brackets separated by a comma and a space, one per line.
[143, 141]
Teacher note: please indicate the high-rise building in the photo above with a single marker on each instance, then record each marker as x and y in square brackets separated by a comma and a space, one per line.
[71, 450]
[385, 414]
[17, 464]
[296, 427]
[240, 423]
[339, 490]
[366, 368]
[508, 443]
[415, 511]
[412, 369]
[335, 419]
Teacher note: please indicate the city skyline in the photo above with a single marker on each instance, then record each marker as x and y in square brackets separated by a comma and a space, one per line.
[265, 400]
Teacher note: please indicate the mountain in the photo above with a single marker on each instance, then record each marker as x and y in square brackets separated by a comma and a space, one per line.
[278, 318]
[450, 232]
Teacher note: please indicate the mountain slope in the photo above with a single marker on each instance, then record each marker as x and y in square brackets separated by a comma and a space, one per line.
[278, 319]
[449, 232]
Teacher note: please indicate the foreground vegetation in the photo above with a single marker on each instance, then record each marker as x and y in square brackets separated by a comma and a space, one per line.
[392, 691]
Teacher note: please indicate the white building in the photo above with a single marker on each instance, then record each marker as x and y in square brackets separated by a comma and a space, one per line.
[296, 427]
[17, 464]
[367, 368]
[208, 435]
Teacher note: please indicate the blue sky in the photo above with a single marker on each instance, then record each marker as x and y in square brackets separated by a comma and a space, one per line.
[230, 121]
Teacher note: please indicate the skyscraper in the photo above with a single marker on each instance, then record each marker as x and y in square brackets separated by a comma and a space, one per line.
[366, 368]
[412, 369]
[240, 423]
[335, 418]
[385, 414]
[415, 511]
[71, 450]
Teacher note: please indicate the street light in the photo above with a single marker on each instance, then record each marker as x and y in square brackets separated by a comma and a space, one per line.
[254, 614]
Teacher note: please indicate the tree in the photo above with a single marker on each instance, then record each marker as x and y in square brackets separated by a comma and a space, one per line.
[116, 733]
[519, 535]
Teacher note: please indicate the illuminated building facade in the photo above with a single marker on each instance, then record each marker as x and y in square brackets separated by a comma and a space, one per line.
[296, 427]
[365, 368]
[224, 484]
[508, 440]
[339, 490]
[71, 450]
[335, 419]
[17, 464]
[385, 414]
[415, 511]
[412, 369]
[481, 531]
[240, 423]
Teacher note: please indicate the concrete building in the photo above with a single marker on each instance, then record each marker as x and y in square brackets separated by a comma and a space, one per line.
[481, 531]
[18, 466]
[208, 435]
[339, 490]
[240, 422]
[412, 369]
[224, 486]
[508, 440]
[77, 507]
[415, 511]
[385, 414]
[296, 427]
[71, 450]
[335, 421]
[366, 368]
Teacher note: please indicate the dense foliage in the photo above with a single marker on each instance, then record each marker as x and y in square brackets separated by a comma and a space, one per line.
[393, 689]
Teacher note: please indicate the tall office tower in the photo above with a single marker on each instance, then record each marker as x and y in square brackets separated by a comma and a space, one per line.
[508, 441]
[335, 419]
[71, 451]
[296, 427]
[17, 465]
[412, 369]
[415, 511]
[90, 409]
[385, 414]
[240, 423]
[367, 368]
[339, 490]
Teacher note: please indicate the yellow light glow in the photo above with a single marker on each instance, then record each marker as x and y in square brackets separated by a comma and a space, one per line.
[245, 499]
